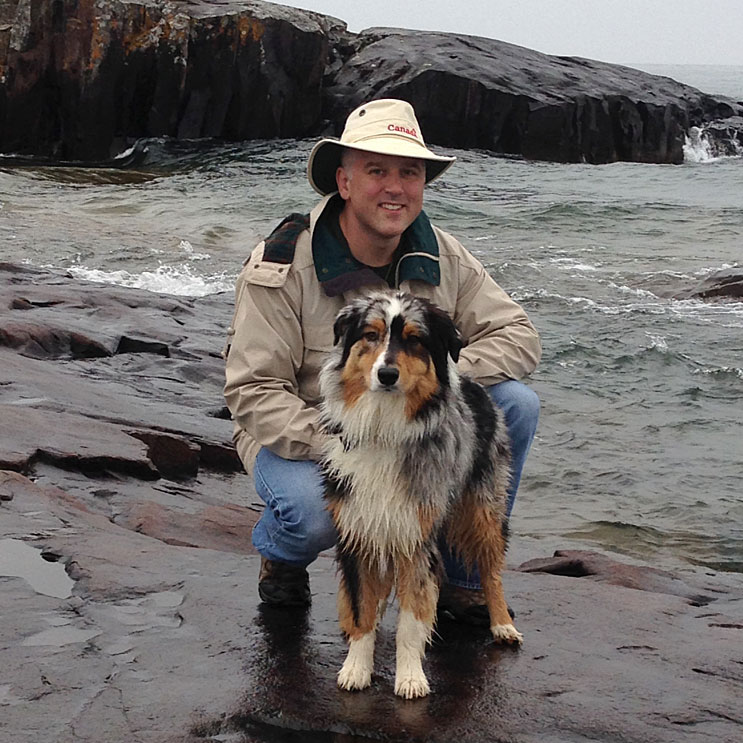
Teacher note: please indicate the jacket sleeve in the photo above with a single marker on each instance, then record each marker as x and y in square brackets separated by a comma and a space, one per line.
[265, 353]
[500, 340]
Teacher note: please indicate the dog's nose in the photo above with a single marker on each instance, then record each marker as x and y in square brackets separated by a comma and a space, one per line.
[388, 375]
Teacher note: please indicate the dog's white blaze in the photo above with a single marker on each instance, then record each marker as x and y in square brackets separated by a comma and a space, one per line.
[412, 636]
[359, 664]
[374, 384]
[392, 310]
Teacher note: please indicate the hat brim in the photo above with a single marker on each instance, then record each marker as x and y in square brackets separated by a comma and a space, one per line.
[325, 159]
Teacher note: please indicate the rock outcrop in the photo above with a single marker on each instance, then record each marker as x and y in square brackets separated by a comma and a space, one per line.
[116, 465]
[80, 80]
[726, 284]
[476, 92]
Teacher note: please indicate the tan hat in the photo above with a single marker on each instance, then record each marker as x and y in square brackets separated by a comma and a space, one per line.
[386, 126]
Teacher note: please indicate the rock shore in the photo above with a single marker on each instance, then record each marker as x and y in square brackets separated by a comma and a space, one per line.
[116, 465]
[81, 80]
[726, 284]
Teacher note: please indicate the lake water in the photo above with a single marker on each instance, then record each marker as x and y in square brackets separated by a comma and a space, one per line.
[639, 450]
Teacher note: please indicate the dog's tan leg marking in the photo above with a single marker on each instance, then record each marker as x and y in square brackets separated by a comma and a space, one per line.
[357, 669]
[479, 540]
[417, 593]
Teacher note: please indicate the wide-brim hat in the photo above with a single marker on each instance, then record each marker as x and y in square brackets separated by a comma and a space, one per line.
[387, 127]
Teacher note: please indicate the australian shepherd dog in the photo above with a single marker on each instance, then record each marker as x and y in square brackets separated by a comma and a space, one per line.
[416, 454]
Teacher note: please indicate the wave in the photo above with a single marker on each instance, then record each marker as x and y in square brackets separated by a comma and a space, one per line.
[179, 280]
[721, 372]
[646, 303]
[707, 145]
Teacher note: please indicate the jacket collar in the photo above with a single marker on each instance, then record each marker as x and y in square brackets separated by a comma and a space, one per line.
[339, 272]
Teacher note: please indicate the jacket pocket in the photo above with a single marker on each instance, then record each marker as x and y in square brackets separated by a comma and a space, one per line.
[318, 343]
[318, 337]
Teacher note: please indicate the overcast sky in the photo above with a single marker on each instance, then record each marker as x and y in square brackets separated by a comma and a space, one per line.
[623, 31]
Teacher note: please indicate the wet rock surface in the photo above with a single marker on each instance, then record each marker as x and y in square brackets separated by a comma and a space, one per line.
[80, 81]
[726, 284]
[160, 638]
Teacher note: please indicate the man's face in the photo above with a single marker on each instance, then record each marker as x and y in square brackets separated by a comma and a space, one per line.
[383, 193]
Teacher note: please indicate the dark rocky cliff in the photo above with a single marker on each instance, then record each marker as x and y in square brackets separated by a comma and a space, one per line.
[80, 79]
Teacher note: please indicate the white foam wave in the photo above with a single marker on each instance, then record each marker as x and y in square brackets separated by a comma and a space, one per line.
[179, 280]
[699, 148]
[191, 254]
[657, 341]
[632, 290]
[648, 304]
[569, 264]
[720, 370]
[703, 272]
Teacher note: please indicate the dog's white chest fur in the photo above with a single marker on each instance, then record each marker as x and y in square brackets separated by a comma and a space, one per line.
[378, 513]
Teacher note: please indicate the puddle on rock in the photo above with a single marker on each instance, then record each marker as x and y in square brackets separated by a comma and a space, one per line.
[20, 560]
[60, 636]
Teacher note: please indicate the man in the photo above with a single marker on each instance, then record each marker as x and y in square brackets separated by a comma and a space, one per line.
[368, 231]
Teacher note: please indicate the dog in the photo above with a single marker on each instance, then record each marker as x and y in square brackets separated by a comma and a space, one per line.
[416, 453]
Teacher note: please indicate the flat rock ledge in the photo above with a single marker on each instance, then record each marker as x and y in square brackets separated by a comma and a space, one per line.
[129, 605]
[79, 81]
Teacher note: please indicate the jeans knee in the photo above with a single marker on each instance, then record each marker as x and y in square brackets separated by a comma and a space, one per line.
[319, 534]
[527, 405]
[296, 525]
[520, 404]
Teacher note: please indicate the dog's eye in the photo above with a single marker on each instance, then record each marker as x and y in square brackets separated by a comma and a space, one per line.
[413, 341]
[371, 335]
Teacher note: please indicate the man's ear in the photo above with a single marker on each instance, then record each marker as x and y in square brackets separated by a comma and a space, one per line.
[342, 179]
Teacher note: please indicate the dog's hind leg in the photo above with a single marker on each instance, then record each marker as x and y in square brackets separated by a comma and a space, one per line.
[491, 560]
[361, 596]
[417, 593]
[477, 534]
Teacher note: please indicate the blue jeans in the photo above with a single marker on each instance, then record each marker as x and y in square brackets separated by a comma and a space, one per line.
[295, 526]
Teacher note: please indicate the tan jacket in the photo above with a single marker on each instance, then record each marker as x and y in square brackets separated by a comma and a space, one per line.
[282, 331]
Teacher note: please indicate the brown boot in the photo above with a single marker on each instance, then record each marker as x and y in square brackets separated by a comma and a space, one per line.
[464, 605]
[282, 584]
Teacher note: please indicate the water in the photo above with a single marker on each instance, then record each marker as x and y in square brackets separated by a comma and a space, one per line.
[20, 560]
[639, 449]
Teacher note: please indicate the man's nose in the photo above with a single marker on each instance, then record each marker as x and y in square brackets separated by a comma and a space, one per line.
[393, 183]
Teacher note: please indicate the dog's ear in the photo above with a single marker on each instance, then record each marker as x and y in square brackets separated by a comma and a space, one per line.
[444, 329]
[344, 320]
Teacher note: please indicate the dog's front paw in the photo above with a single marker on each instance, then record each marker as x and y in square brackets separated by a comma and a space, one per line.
[354, 676]
[412, 687]
[507, 634]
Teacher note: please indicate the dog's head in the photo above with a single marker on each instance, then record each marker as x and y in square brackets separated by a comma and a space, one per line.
[393, 342]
